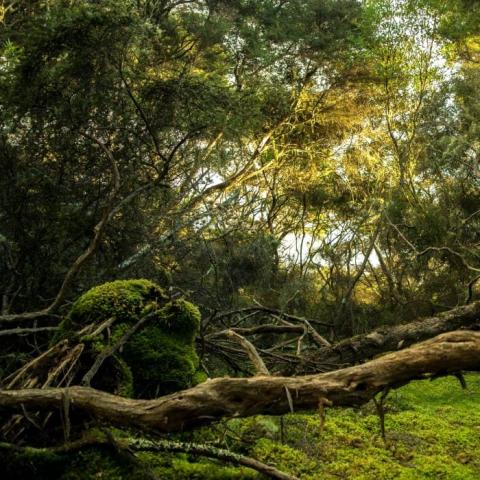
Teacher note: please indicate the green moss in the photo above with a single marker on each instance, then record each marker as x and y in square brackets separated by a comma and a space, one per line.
[158, 359]
[96, 463]
[160, 363]
[181, 467]
[199, 377]
[181, 318]
[103, 463]
[121, 299]
[125, 384]
[91, 463]
[30, 464]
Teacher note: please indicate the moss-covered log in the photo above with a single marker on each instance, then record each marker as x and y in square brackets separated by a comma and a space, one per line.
[53, 456]
[240, 397]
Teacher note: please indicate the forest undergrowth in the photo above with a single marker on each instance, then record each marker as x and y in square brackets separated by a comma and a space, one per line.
[432, 432]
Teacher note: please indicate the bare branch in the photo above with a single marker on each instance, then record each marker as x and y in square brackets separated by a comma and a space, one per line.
[260, 329]
[87, 254]
[26, 331]
[110, 350]
[261, 309]
[240, 397]
[254, 356]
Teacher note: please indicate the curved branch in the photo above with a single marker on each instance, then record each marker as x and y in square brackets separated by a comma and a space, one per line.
[452, 252]
[87, 254]
[252, 353]
[241, 397]
[471, 285]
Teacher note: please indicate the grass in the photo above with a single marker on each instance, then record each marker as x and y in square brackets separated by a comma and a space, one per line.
[433, 432]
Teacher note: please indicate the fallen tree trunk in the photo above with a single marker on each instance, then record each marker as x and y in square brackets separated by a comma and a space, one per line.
[361, 348]
[240, 397]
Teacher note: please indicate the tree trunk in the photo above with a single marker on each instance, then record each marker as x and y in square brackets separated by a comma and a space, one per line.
[241, 397]
[361, 348]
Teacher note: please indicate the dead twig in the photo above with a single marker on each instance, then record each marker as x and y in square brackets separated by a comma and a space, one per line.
[380, 407]
[252, 353]
[110, 350]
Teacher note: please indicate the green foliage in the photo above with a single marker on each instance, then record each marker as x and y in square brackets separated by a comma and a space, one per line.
[250, 261]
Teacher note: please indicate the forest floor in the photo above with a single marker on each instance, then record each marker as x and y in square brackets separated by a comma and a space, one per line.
[432, 429]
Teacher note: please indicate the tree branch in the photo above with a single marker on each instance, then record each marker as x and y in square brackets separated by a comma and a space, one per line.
[252, 353]
[111, 349]
[241, 397]
[144, 445]
[261, 309]
[91, 249]
[26, 331]
[386, 339]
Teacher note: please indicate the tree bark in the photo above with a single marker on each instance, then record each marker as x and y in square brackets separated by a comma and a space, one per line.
[241, 397]
[386, 339]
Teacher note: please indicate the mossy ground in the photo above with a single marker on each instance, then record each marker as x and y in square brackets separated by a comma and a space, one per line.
[433, 432]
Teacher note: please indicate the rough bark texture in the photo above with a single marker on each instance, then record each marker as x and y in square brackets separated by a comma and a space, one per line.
[240, 397]
[387, 339]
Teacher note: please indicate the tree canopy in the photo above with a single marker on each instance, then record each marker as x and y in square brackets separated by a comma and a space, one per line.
[305, 167]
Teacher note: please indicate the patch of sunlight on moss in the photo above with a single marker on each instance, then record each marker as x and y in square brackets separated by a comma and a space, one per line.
[432, 430]
[158, 359]
[433, 433]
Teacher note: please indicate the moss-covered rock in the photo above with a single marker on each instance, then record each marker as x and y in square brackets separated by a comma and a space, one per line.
[162, 357]
[158, 359]
[122, 299]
